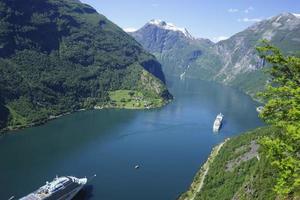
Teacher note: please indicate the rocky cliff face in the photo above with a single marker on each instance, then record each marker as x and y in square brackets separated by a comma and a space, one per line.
[239, 53]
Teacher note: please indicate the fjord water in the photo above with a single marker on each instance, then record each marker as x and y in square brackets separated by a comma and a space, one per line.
[169, 144]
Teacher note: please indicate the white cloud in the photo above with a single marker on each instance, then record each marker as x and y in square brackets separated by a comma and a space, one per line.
[129, 29]
[232, 10]
[249, 20]
[250, 8]
[219, 38]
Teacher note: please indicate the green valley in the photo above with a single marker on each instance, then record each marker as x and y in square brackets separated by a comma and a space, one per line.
[236, 109]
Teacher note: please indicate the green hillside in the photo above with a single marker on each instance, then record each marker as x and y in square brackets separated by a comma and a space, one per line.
[239, 171]
[60, 56]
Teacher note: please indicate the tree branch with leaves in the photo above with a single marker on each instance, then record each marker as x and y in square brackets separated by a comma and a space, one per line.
[282, 109]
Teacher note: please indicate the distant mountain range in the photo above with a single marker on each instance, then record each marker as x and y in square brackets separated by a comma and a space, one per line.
[233, 61]
[58, 56]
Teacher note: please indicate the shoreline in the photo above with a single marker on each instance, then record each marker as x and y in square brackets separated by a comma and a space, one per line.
[110, 106]
[7, 130]
[200, 176]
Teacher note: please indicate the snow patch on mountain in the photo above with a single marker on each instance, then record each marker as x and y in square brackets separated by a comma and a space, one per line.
[130, 29]
[296, 15]
[170, 26]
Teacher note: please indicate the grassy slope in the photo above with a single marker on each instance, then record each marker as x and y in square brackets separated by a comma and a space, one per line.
[132, 99]
[148, 93]
[129, 99]
[250, 179]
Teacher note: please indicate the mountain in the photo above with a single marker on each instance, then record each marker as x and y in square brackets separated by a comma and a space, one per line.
[175, 47]
[233, 61]
[241, 66]
[58, 56]
[160, 36]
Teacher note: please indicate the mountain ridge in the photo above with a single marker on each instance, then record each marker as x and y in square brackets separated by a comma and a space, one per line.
[169, 45]
[233, 61]
[170, 26]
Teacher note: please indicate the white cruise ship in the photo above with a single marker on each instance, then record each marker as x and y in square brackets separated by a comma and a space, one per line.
[218, 122]
[61, 188]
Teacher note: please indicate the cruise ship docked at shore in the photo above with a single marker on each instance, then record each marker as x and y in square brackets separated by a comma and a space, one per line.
[218, 122]
[61, 188]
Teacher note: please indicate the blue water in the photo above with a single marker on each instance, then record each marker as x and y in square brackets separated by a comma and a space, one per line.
[168, 143]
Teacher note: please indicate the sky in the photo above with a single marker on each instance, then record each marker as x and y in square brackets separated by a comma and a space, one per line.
[213, 19]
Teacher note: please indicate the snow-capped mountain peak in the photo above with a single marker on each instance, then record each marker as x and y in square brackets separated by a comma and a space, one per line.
[170, 26]
[296, 15]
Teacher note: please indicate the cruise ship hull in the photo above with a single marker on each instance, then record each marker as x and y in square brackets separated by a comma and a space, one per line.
[70, 195]
[218, 122]
[216, 128]
[63, 188]
[67, 196]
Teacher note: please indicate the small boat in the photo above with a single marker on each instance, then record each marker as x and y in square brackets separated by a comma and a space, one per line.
[65, 187]
[218, 122]
[136, 167]
[259, 109]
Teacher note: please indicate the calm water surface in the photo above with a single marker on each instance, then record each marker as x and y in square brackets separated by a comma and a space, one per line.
[169, 144]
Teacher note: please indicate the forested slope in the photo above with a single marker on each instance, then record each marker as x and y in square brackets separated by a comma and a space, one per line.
[59, 56]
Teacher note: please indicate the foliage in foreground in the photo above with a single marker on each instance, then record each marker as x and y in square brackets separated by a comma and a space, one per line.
[282, 110]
